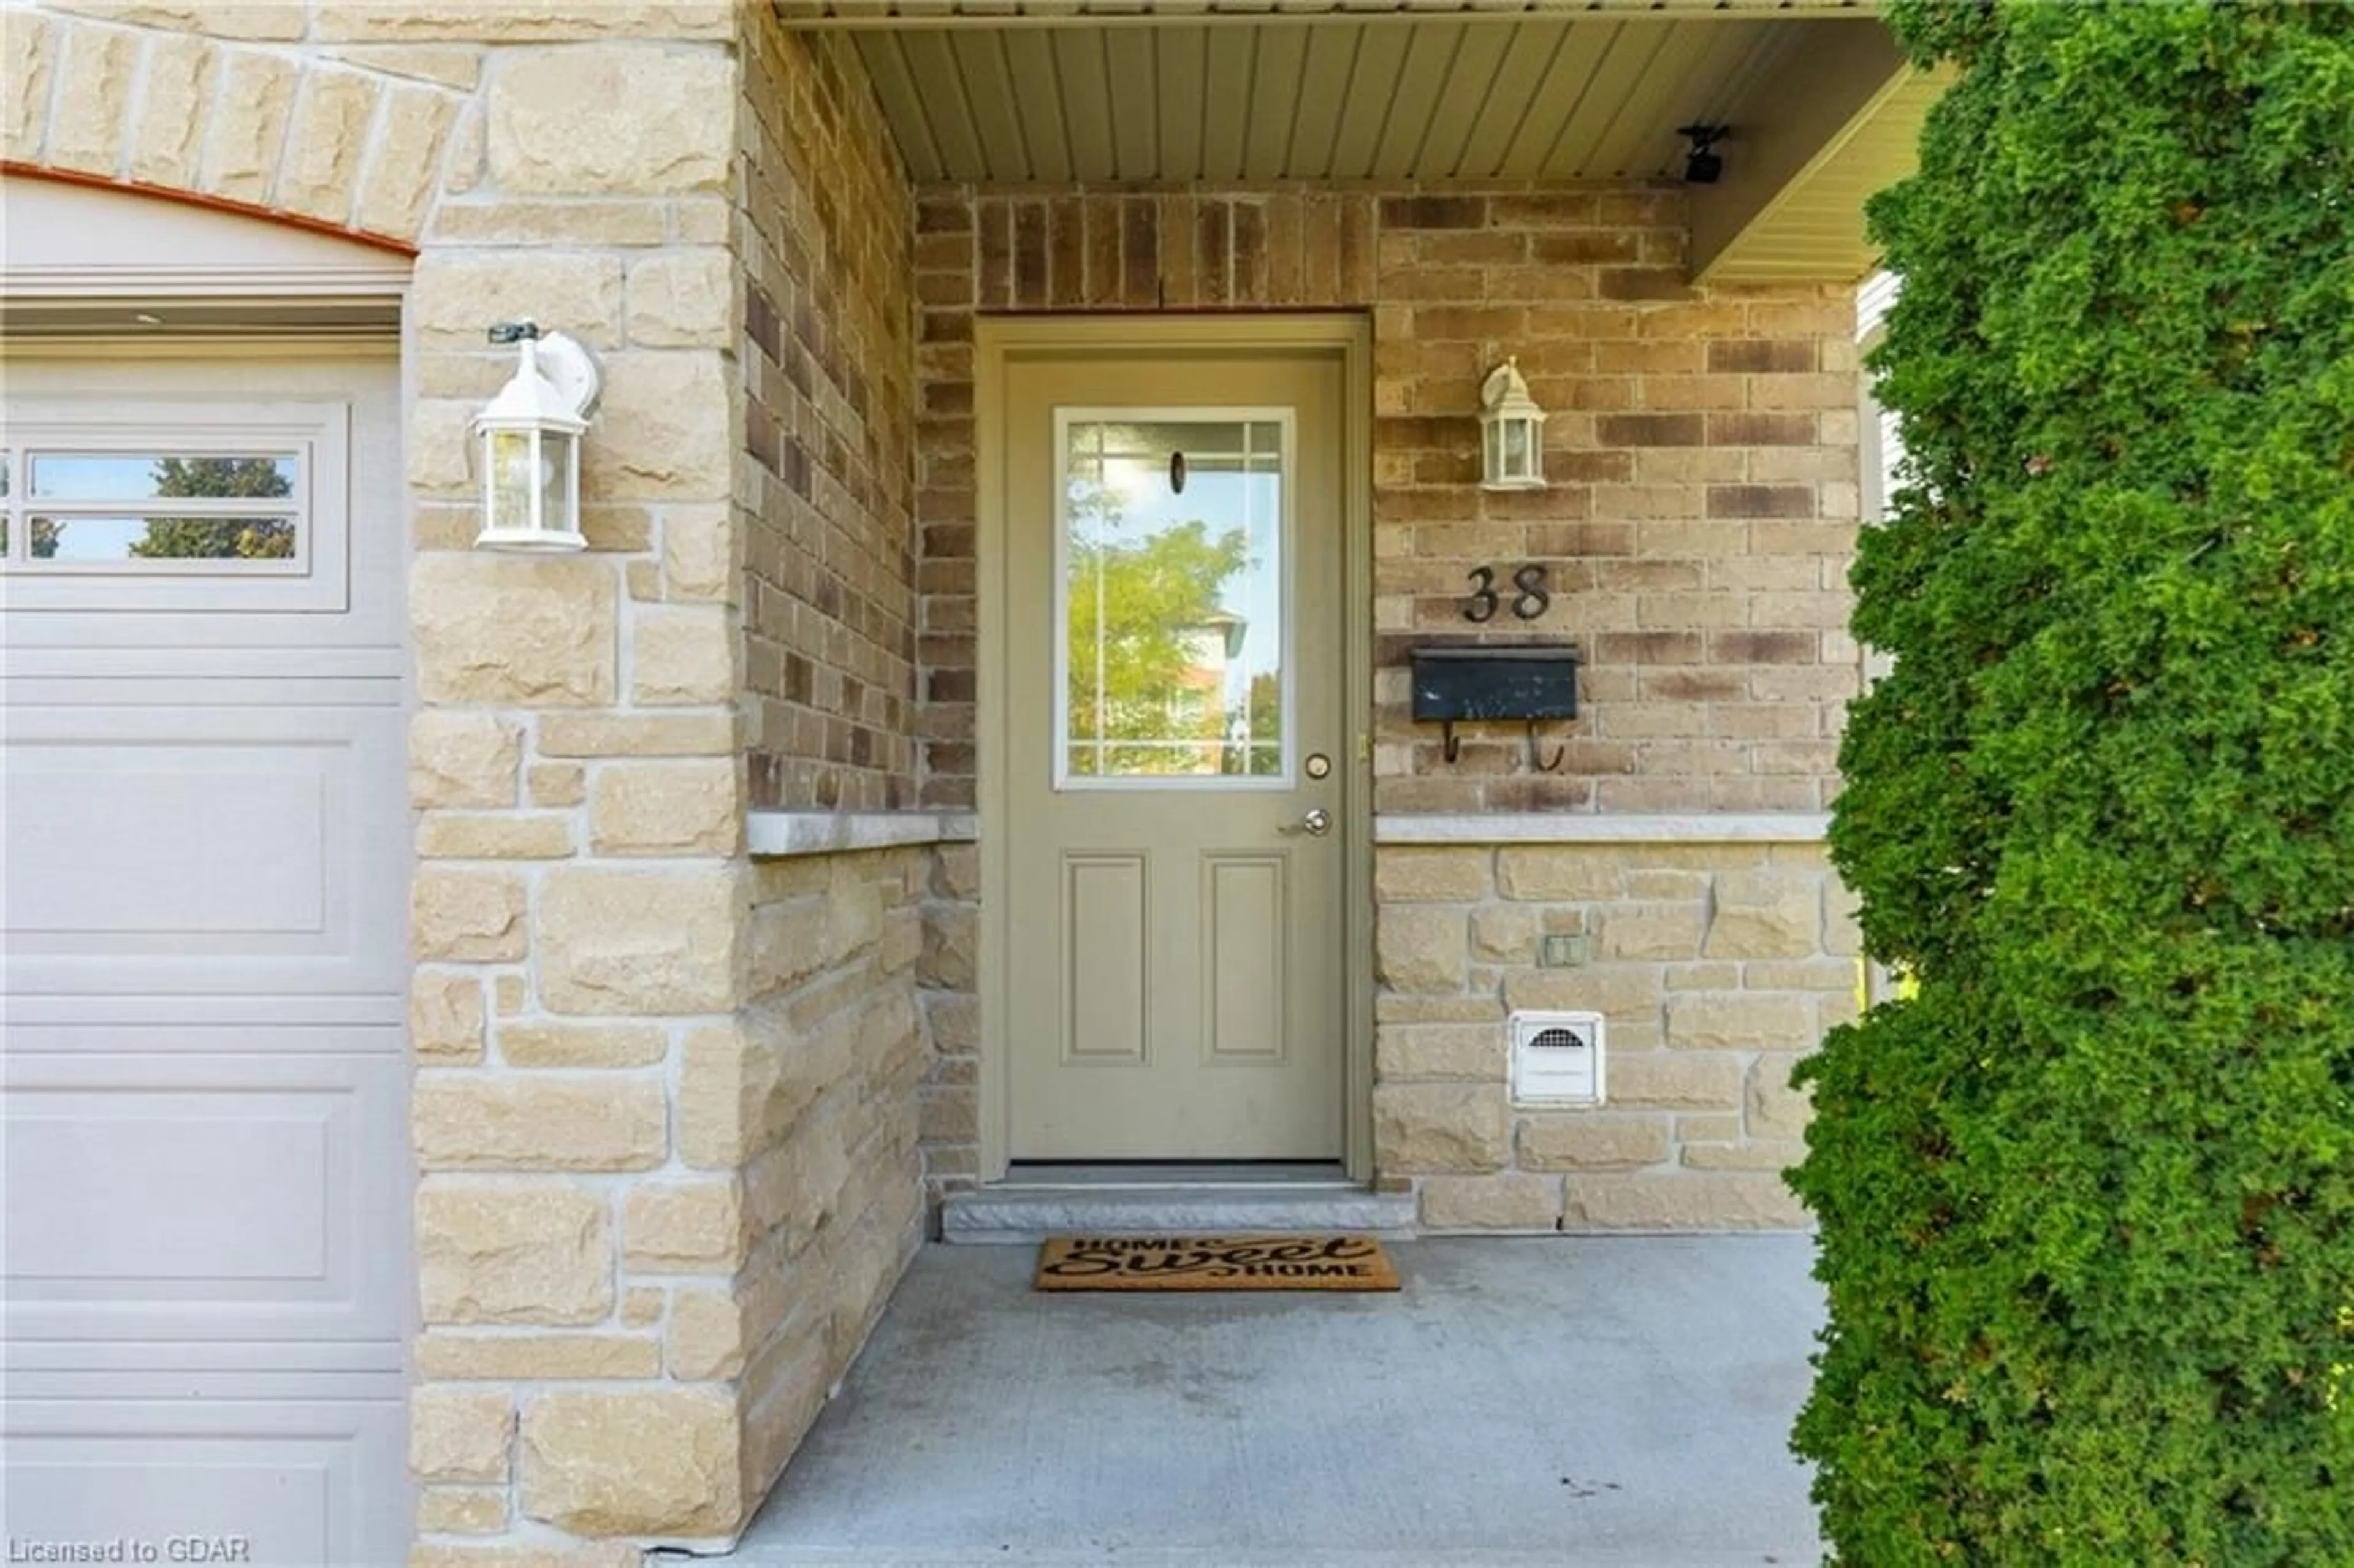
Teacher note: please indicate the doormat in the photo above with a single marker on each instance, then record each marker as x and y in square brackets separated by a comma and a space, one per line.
[1215, 1262]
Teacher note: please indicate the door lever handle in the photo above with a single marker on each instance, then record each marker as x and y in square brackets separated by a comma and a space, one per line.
[1315, 824]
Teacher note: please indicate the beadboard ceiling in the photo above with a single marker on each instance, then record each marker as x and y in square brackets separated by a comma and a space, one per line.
[1052, 93]
[1417, 91]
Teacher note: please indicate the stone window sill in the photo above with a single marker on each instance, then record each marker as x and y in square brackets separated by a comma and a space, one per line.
[777, 835]
[1587, 828]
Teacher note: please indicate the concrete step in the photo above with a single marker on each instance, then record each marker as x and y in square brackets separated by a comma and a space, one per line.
[1033, 1213]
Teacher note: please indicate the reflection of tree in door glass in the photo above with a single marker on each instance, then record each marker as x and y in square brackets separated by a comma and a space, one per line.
[1256, 728]
[1172, 620]
[1147, 641]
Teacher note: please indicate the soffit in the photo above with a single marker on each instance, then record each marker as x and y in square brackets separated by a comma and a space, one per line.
[1814, 226]
[1055, 92]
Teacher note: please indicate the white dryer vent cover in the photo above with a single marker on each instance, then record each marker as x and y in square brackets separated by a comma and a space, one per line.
[1557, 1058]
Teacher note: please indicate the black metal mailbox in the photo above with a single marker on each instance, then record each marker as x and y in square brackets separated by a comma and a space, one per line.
[1469, 685]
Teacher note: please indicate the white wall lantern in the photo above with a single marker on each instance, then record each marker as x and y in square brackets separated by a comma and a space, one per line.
[530, 435]
[1511, 431]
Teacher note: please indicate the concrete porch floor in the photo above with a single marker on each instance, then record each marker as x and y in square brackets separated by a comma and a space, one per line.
[1568, 1401]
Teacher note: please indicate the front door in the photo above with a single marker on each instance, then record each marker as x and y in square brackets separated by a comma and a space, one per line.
[1174, 790]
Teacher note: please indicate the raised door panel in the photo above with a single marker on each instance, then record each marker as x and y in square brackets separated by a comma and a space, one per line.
[1106, 941]
[241, 850]
[1245, 941]
[188, 1198]
[294, 1481]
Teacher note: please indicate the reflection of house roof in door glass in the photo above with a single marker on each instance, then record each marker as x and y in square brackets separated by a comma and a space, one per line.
[1236, 629]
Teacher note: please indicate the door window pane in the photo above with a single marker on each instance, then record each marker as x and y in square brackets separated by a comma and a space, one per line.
[1171, 607]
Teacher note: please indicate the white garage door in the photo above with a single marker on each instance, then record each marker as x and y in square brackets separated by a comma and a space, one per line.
[207, 852]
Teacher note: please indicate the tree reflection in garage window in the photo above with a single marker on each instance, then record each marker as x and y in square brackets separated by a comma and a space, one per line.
[129, 530]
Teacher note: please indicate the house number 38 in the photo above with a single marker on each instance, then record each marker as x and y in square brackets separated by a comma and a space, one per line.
[1531, 601]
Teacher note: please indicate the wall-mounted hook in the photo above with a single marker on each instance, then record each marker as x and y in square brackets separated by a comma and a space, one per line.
[1559, 753]
[1451, 743]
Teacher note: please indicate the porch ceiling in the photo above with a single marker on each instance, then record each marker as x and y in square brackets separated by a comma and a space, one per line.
[1813, 218]
[1053, 91]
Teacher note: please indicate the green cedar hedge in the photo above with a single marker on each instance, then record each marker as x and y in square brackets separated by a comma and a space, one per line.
[2087, 1199]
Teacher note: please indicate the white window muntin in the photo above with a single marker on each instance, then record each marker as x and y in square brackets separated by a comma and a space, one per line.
[1285, 418]
[314, 437]
[28, 454]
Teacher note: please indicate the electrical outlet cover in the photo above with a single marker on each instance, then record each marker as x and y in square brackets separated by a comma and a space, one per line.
[1562, 950]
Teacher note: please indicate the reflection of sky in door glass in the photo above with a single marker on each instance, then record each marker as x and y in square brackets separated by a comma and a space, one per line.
[1224, 499]
[1139, 701]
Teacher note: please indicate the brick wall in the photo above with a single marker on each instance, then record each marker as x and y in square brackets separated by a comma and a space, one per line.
[814, 1090]
[1703, 449]
[1696, 536]
[825, 489]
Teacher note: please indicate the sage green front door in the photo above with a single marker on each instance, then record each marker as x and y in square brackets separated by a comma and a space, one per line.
[1173, 645]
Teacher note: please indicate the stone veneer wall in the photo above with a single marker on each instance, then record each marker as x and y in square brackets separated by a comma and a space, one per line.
[949, 1105]
[1697, 535]
[666, 1157]
[822, 1074]
[1717, 967]
[811, 1098]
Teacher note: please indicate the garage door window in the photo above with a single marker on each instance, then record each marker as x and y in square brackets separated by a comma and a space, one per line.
[129, 509]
